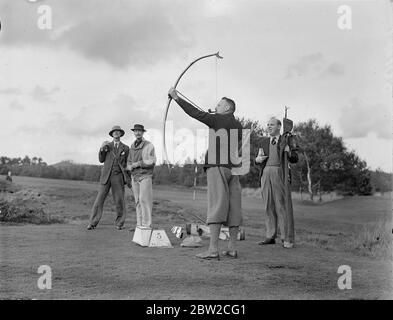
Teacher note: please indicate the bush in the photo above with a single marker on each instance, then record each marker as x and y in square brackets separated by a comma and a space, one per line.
[19, 212]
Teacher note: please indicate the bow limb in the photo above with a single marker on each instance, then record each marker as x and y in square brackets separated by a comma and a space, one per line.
[164, 131]
[217, 55]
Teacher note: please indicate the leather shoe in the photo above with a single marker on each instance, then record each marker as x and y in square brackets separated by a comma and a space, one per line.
[230, 253]
[119, 228]
[208, 255]
[90, 227]
[267, 241]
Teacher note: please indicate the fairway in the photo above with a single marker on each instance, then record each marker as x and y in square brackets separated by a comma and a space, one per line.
[105, 264]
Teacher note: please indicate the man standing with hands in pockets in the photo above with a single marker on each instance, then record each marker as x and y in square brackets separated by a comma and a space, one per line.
[271, 161]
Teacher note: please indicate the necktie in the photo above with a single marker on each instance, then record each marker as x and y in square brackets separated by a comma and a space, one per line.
[274, 141]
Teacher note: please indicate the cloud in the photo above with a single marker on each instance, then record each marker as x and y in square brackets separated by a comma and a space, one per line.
[41, 94]
[95, 120]
[121, 34]
[358, 119]
[314, 65]
[77, 137]
[16, 105]
[11, 91]
[19, 24]
[138, 41]
[334, 69]
[307, 64]
[217, 8]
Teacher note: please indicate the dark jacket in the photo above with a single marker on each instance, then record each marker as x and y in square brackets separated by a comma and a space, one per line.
[109, 158]
[280, 150]
[217, 122]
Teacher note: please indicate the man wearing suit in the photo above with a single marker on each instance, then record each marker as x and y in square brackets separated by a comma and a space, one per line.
[271, 161]
[113, 176]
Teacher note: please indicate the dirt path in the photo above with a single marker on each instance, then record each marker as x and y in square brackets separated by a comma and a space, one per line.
[105, 264]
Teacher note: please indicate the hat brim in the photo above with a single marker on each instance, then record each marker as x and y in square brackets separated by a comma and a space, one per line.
[139, 130]
[121, 130]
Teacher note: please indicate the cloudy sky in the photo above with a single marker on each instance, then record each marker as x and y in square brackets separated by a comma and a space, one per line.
[112, 62]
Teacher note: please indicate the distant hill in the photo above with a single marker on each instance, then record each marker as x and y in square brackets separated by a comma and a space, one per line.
[64, 163]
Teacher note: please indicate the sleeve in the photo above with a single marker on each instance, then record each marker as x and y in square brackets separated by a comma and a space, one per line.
[148, 157]
[204, 117]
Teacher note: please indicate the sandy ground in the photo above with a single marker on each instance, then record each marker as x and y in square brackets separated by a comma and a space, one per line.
[106, 264]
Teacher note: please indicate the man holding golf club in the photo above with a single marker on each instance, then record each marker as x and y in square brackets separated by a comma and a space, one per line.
[223, 187]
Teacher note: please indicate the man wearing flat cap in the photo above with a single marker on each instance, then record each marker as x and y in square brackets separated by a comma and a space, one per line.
[141, 162]
[113, 176]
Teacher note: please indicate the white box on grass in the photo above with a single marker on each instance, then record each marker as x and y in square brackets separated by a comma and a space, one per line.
[142, 236]
[159, 238]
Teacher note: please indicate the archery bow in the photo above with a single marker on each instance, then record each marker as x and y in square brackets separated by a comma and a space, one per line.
[217, 55]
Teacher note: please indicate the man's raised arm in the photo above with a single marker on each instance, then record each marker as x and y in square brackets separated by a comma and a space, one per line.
[204, 117]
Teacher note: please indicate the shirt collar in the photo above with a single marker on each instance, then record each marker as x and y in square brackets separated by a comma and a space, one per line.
[137, 144]
[277, 137]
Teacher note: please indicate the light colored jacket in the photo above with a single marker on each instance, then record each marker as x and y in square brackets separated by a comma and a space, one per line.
[144, 155]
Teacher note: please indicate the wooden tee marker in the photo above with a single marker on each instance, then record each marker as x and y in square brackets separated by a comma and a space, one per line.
[160, 239]
[147, 237]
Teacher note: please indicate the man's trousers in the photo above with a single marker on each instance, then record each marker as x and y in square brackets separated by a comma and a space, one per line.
[143, 194]
[223, 197]
[116, 183]
[273, 199]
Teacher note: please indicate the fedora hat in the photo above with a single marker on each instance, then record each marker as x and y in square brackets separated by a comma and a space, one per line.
[138, 127]
[114, 128]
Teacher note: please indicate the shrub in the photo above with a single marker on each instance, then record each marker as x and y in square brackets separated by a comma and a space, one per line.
[19, 212]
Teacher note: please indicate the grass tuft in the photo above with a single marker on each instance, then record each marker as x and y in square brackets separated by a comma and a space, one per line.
[375, 240]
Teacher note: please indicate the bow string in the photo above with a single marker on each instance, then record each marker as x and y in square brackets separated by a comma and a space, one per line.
[217, 55]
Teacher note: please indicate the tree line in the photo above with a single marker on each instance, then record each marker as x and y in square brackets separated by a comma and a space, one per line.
[325, 165]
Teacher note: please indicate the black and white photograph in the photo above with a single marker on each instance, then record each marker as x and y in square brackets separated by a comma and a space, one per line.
[203, 151]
